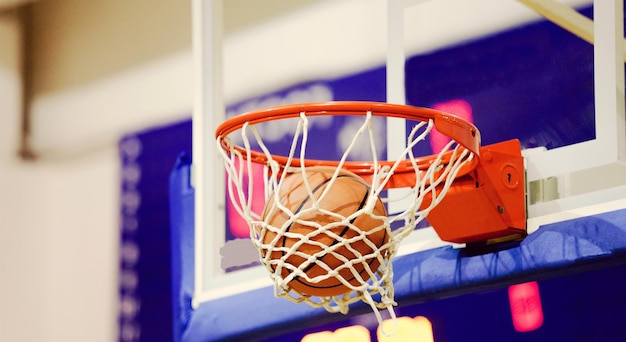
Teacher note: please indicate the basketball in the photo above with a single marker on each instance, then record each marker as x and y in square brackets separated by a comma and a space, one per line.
[327, 242]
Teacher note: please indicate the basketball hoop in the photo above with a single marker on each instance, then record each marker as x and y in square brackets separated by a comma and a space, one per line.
[319, 255]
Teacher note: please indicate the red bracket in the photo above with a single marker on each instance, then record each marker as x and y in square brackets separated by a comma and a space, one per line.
[488, 205]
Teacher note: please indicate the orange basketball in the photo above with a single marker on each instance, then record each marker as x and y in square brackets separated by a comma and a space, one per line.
[347, 195]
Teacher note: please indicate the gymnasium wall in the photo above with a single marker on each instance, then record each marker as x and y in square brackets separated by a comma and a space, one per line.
[106, 68]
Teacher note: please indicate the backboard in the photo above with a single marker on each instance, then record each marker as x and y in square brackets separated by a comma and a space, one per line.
[507, 69]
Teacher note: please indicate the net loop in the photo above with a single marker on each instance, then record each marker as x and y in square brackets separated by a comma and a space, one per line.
[368, 275]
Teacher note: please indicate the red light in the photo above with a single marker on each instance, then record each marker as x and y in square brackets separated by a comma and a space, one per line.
[458, 107]
[236, 223]
[526, 310]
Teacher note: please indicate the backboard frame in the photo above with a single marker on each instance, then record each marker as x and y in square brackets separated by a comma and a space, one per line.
[209, 112]
[542, 164]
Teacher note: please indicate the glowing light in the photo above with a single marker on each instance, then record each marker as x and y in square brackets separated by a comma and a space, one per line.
[458, 107]
[355, 333]
[526, 310]
[407, 329]
[236, 223]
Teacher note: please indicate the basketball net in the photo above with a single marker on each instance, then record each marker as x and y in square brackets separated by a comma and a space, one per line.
[374, 286]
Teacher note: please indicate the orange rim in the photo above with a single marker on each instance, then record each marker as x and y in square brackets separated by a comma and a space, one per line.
[457, 129]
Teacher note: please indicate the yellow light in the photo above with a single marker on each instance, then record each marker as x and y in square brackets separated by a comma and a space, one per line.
[407, 329]
[355, 333]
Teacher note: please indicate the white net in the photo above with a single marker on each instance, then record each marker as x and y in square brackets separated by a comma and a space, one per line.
[316, 253]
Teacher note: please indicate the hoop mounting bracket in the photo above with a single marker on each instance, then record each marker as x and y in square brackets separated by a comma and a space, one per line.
[487, 204]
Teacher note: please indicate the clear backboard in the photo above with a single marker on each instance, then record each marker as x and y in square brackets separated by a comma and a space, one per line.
[556, 84]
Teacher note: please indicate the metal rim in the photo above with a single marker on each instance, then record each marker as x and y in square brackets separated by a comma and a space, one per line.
[457, 129]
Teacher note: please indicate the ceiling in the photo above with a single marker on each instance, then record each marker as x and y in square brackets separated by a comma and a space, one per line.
[238, 13]
[6, 4]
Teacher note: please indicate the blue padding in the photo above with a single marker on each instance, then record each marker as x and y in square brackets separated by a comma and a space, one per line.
[249, 316]
[182, 244]
[554, 250]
